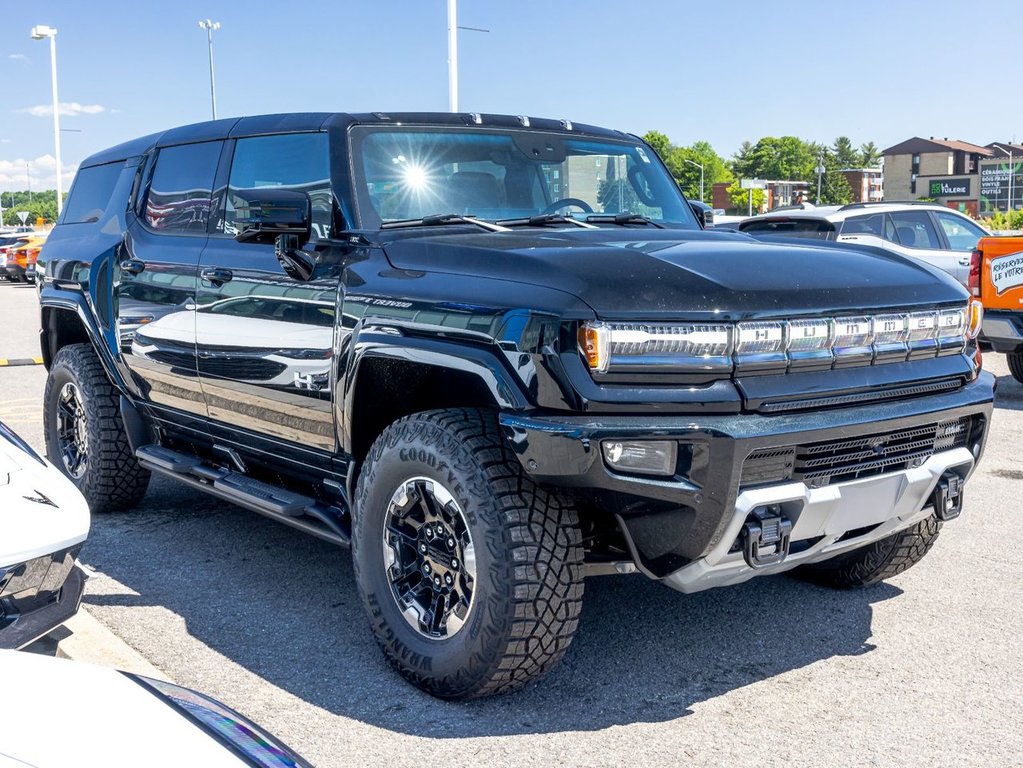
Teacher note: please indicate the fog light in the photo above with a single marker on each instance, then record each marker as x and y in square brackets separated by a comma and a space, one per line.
[646, 457]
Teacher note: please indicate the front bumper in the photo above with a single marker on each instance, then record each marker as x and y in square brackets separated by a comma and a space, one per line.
[1003, 330]
[38, 596]
[671, 522]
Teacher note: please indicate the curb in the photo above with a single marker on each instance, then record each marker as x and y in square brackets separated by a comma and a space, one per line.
[8, 362]
[91, 642]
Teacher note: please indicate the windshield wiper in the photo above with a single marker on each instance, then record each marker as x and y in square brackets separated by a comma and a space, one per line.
[440, 219]
[623, 219]
[542, 220]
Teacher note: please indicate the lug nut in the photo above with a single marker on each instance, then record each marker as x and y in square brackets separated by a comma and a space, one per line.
[451, 543]
[426, 567]
[436, 580]
[454, 562]
[429, 532]
[447, 578]
[422, 548]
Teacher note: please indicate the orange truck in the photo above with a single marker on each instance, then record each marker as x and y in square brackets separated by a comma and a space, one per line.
[996, 277]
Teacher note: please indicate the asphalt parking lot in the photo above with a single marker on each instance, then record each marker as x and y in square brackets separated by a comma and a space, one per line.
[924, 670]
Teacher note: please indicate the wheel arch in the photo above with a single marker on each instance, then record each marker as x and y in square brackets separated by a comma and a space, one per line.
[388, 381]
[67, 322]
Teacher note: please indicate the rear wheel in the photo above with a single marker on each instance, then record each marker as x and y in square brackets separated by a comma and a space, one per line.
[875, 562]
[85, 436]
[1016, 365]
[471, 574]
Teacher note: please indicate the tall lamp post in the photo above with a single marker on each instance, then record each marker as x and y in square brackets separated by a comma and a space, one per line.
[210, 27]
[698, 165]
[453, 53]
[41, 32]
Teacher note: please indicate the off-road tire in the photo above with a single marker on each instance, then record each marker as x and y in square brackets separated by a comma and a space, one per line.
[1016, 365]
[875, 562]
[112, 479]
[529, 557]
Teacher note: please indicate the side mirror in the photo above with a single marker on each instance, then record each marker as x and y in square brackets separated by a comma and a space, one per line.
[297, 264]
[704, 213]
[265, 213]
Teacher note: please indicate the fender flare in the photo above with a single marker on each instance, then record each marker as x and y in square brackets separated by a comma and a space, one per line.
[374, 344]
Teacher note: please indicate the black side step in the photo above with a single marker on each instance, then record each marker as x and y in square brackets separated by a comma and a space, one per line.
[281, 504]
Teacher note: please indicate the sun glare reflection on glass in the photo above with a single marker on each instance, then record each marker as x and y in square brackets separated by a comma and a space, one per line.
[415, 177]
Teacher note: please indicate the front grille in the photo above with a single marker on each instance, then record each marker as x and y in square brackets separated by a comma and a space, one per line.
[859, 398]
[836, 461]
[34, 583]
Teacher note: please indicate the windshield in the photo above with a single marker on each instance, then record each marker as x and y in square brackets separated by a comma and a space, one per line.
[411, 173]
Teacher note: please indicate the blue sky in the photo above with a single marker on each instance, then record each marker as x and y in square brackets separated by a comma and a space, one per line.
[714, 70]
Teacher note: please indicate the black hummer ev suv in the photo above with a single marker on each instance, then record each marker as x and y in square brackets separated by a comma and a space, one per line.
[496, 355]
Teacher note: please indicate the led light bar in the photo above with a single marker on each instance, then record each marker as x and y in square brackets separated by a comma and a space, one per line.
[802, 344]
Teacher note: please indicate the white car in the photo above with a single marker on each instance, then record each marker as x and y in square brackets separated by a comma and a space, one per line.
[927, 231]
[67, 713]
[43, 522]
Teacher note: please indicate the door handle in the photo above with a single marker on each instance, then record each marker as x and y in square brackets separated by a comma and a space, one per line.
[216, 275]
[132, 266]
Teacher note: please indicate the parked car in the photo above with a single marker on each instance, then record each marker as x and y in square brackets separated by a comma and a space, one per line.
[22, 257]
[8, 241]
[927, 231]
[440, 339]
[996, 278]
[67, 713]
[43, 521]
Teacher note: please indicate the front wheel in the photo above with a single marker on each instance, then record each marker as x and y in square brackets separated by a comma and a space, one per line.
[85, 435]
[1015, 360]
[875, 562]
[471, 574]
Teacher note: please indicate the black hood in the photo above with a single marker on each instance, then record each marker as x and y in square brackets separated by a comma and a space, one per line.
[647, 274]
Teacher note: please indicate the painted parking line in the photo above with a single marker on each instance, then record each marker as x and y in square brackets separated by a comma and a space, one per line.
[6, 362]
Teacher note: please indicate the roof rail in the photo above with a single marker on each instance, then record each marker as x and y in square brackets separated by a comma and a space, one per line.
[868, 203]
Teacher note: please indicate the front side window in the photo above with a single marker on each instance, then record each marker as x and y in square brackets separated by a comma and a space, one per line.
[180, 193]
[914, 229]
[412, 173]
[298, 162]
[961, 233]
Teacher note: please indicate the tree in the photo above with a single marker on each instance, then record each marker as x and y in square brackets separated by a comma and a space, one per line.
[40, 205]
[870, 155]
[845, 154]
[660, 143]
[740, 198]
[784, 158]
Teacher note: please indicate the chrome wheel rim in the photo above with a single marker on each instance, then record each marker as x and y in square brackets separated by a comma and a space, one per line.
[429, 558]
[72, 430]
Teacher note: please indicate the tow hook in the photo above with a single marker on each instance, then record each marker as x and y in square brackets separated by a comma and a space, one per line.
[948, 497]
[766, 528]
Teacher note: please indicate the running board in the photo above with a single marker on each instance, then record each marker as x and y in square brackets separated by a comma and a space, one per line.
[302, 512]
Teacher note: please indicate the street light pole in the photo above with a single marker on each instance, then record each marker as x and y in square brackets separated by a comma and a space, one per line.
[41, 32]
[698, 165]
[210, 26]
[452, 55]
[820, 172]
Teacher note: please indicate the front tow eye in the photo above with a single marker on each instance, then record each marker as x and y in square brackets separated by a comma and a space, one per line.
[766, 528]
[948, 497]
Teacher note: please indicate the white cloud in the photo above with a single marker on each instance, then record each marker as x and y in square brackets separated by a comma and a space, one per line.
[67, 109]
[18, 57]
[14, 174]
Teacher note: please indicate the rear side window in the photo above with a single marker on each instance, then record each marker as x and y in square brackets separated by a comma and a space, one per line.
[864, 225]
[90, 194]
[182, 187]
[914, 229]
[813, 229]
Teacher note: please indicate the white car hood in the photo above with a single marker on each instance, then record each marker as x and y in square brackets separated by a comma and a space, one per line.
[66, 714]
[41, 511]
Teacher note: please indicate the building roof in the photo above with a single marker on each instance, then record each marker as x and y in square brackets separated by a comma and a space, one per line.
[917, 145]
[1004, 149]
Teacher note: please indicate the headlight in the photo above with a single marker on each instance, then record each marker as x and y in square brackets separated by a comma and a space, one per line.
[656, 347]
[777, 344]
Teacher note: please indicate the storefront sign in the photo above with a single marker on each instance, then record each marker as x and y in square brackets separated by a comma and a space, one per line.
[950, 188]
[995, 185]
